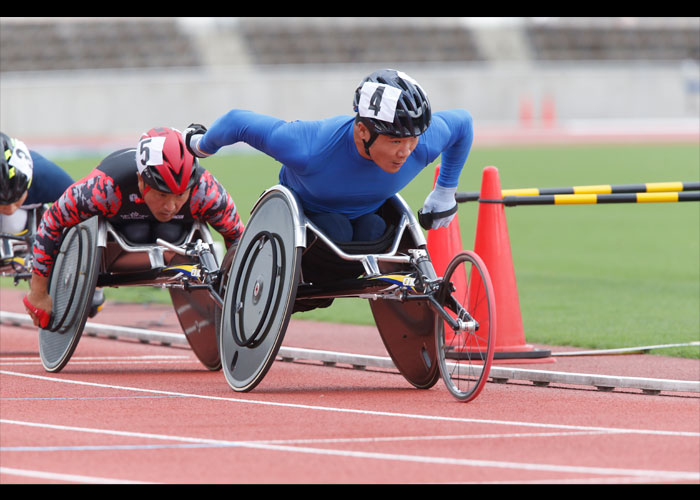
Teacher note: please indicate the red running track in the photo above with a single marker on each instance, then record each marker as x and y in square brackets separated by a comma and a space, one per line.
[128, 412]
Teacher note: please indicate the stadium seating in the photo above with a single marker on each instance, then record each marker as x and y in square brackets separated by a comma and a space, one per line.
[28, 44]
[651, 39]
[300, 41]
[93, 44]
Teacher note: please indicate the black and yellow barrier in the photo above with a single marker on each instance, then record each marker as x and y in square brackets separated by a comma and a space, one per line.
[597, 199]
[653, 192]
[601, 189]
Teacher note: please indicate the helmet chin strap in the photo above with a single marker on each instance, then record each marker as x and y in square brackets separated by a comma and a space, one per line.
[146, 187]
[373, 137]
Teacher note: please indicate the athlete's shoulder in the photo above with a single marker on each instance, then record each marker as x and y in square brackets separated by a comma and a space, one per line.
[47, 171]
[324, 125]
[125, 155]
[118, 161]
[450, 122]
[339, 120]
[457, 115]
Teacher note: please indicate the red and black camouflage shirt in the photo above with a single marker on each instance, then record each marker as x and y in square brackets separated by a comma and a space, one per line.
[111, 190]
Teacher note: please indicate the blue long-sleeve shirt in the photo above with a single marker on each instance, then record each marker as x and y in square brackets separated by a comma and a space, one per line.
[49, 181]
[321, 163]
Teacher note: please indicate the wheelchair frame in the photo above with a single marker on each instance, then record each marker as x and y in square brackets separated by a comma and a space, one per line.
[16, 249]
[189, 270]
[421, 356]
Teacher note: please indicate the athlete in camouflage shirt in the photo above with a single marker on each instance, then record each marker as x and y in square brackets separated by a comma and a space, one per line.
[148, 192]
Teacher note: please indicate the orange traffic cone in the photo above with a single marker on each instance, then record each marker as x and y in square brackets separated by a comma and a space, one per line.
[443, 243]
[492, 244]
[549, 111]
[526, 112]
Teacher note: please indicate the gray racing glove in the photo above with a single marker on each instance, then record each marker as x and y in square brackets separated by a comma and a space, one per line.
[439, 208]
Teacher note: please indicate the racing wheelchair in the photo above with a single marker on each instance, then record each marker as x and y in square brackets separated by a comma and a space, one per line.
[431, 326]
[95, 253]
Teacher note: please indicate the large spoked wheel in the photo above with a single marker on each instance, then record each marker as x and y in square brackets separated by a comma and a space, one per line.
[465, 353]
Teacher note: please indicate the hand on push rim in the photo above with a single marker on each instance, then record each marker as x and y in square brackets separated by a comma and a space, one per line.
[41, 316]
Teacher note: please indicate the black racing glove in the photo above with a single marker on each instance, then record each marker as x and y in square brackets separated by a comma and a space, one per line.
[191, 135]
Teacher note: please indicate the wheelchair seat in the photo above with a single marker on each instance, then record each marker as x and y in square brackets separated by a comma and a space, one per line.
[321, 263]
[124, 255]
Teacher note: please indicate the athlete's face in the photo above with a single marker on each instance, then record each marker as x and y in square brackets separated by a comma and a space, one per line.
[162, 205]
[389, 153]
[11, 208]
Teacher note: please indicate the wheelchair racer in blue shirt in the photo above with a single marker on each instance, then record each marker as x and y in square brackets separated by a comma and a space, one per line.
[344, 168]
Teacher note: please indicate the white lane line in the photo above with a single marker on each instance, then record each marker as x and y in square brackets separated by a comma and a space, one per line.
[81, 398]
[605, 471]
[355, 411]
[108, 363]
[92, 358]
[70, 478]
[100, 360]
[434, 438]
[355, 440]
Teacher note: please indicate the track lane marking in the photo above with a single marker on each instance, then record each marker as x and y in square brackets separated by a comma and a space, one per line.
[650, 474]
[9, 361]
[355, 440]
[355, 411]
[109, 363]
[70, 478]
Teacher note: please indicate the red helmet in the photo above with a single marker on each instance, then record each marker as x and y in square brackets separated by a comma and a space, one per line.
[164, 162]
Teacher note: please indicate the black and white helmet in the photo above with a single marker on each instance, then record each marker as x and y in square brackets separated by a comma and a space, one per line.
[16, 169]
[390, 102]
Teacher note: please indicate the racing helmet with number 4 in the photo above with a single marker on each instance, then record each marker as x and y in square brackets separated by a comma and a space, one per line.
[164, 162]
[16, 170]
[390, 102]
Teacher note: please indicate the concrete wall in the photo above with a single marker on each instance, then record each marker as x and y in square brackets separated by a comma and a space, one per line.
[99, 106]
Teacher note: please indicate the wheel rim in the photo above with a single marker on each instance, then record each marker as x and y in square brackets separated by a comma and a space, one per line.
[260, 292]
[465, 356]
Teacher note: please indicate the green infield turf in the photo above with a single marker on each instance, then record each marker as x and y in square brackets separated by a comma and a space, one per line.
[593, 276]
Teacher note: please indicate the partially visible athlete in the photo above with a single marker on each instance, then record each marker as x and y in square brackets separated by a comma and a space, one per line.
[27, 181]
[152, 191]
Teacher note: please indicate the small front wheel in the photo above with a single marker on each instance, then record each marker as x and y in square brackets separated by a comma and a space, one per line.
[465, 350]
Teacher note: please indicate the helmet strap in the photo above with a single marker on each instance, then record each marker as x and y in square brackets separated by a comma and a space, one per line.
[146, 186]
[372, 135]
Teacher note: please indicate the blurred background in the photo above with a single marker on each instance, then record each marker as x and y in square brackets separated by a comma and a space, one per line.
[97, 83]
[556, 102]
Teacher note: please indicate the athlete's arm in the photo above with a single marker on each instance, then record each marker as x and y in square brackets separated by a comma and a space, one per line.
[97, 194]
[451, 134]
[454, 130]
[211, 203]
[287, 142]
